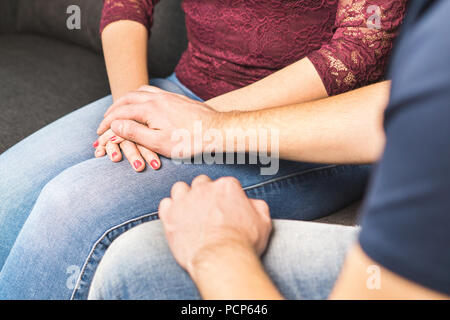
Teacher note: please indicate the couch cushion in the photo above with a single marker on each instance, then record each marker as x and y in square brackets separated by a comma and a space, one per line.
[41, 80]
[168, 39]
[167, 42]
[49, 18]
[348, 216]
[8, 13]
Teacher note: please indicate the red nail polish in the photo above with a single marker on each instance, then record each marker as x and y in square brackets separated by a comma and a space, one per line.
[137, 164]
[154, 164]
[95, 144]
[114, 154]
[112, 138]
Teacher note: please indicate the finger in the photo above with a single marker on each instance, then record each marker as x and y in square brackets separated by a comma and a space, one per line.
[133, 97]
[200, 180]
[138, 133]
[135, 112]
[109, 136]
[261, 207]
[151, 89]
[149, 156]
[179, 189]
[131, 152]
[113, 152]
[100, 151]
[164, 207]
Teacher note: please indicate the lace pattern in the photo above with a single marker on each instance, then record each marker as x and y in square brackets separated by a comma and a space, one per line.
[136, 10]
[358, 52]
[233, 43]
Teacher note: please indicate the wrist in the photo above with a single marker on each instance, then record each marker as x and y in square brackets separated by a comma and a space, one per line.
[232, 270]
[233, 127]
[213, 257]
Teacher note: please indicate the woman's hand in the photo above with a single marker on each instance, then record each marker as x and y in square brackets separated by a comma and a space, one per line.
[111, 144]
[151, 116]
[125, 50]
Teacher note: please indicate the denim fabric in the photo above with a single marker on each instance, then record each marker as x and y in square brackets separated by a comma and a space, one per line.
[303, 259]
[60, 208]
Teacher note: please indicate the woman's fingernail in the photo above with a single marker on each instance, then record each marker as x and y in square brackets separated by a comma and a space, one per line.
[154, 164]
[114, 155]
[137, 164]
[95, 144]
[113, 138]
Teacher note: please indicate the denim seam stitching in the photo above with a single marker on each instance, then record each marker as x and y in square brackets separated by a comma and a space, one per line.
[261, 184]
[94, 247]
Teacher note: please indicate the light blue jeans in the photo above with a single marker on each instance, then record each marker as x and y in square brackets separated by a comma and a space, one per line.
[303, 259]
[60, 208]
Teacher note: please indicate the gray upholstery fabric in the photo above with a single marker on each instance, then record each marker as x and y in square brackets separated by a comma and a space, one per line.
[48, 17]
[347, 216]
[41, 80]
[168, 39]
[8, 16]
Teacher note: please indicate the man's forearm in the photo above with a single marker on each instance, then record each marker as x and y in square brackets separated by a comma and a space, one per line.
[125, 50]
[295, 83]
[232, 272]
[340, 129]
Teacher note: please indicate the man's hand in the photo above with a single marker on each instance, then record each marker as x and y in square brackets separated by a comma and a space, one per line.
[150, 117]
[213, 214]
[217, 234]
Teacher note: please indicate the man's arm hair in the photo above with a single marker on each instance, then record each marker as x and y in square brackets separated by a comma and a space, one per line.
[347, 128]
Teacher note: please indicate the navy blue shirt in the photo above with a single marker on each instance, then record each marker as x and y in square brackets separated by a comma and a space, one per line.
[406, 218]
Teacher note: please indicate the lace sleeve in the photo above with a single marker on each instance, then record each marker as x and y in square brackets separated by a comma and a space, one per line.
[136, 10]
[358, 52]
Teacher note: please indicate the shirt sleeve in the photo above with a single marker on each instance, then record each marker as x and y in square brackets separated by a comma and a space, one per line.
[406, 219]
[136, 10]
[359, 50]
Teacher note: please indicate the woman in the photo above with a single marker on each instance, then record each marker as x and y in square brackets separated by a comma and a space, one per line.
[60, 207]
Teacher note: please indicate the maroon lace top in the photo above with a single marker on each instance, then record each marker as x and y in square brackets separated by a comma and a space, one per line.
[233, 43]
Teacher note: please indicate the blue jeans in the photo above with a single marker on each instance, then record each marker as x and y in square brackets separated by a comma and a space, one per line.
[303, 259]
[60, 208]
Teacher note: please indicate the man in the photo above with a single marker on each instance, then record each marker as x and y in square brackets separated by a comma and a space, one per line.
[402, 248]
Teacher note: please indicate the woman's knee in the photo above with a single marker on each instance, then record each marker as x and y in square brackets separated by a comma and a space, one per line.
[81, 196]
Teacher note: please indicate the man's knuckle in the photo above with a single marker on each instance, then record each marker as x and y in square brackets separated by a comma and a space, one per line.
[200, 179]
[179, 185]
[229, 182]
[263, 206]
[130, 130]
[267, 221]
[164, 205]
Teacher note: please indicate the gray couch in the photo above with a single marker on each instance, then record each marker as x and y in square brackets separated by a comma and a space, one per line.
[47, 70]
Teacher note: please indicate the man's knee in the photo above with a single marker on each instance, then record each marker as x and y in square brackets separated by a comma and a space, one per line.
[128, 258]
